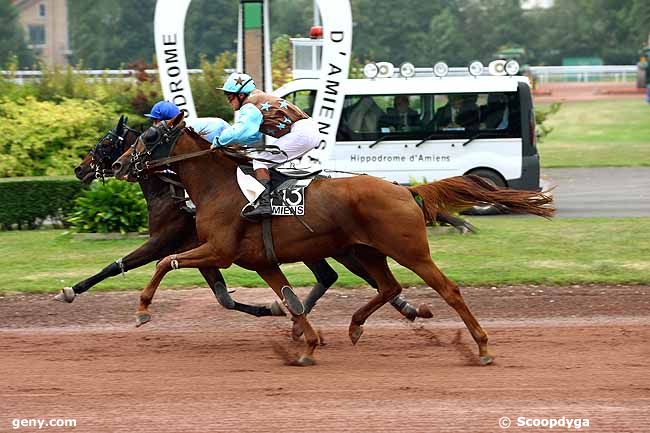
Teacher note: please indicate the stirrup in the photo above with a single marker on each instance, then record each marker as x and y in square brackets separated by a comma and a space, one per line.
[260, 211]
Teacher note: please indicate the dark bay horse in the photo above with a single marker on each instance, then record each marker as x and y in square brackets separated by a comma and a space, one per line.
[372, 217]
[172, 230]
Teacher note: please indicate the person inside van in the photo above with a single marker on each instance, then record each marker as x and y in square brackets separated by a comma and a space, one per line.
[461, 111]
[495, 114]
[401, 116]
[363, 116]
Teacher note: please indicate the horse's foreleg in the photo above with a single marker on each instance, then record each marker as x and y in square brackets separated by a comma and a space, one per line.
[375, 263]
[146, 253]
[278, 282]
[214, 278]
[201, 256]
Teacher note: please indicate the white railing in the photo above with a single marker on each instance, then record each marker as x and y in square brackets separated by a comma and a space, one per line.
[617, 73]
[94, 74]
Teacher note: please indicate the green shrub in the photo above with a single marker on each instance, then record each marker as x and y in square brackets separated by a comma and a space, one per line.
[25, 200]
[542, 116]
[43, 138]
[111, 207]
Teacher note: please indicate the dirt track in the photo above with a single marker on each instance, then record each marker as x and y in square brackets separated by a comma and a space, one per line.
[577, 352]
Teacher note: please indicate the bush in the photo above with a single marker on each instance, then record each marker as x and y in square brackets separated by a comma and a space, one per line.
[44, 138]
[542, 116]
[25, 200]
[111, 207]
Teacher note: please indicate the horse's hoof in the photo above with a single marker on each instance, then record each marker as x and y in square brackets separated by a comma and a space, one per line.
[67, 295]
[355, 333]
[141, 319]
[486, 359]
[276, 309]
[409, 313]
[292, 301]
[424, 312]
[296, 331]
[305, 361]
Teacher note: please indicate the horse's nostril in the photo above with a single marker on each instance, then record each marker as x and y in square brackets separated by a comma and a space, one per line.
[77, 170]
[117, 166]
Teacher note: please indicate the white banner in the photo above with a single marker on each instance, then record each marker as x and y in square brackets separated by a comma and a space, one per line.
[169, 31]
[335, 66]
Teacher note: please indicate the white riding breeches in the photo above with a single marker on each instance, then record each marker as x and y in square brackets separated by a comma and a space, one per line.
[302, 138]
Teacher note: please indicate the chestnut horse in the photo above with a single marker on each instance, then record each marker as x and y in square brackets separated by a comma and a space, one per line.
[172, 230]
[375, 218]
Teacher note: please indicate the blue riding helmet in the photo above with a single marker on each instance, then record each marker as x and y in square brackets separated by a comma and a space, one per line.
[163, 110]
[238, 83]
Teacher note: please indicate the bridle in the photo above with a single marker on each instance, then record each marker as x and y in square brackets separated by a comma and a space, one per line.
[165, 140]
[107, 150]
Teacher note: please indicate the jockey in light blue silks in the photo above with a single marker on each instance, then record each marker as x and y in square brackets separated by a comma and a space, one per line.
[261, 113]
[209, 127]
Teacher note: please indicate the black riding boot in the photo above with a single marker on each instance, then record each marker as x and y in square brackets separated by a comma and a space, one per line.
[263, 208]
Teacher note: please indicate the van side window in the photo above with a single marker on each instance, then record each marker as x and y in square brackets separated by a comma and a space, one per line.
[428, 116]
[303, 99]
[488, 115]
[369, 117]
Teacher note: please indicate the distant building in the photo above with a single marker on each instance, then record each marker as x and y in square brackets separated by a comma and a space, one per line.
[46, 28]
[537, 4]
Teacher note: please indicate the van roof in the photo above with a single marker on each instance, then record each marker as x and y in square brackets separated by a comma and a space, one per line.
[419, 85]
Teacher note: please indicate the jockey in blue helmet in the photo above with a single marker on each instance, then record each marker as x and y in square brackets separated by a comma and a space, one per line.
[209, 127]
[262, 113]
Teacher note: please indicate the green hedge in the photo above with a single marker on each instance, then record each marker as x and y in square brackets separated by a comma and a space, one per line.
[25, 200]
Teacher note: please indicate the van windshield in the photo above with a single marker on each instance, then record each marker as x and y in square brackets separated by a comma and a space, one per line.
[439, 116]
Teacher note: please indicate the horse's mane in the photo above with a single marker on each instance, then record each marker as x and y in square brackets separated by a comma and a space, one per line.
[194, 134]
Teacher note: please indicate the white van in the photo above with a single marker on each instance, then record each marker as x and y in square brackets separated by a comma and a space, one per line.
[428, 128]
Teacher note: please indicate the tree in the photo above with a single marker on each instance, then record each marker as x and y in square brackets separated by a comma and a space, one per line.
[210, 29]
[13, 47]
[111, 33]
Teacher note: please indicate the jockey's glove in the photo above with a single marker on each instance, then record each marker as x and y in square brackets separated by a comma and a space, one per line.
[215, 143]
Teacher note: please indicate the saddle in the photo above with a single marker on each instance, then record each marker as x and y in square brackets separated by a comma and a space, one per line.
[279, 176]
[287, 197]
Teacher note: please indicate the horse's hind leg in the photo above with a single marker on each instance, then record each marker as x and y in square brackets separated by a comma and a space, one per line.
[216, 282]
[351, 262]
[375, 264]
[325, 277]
[429, 272]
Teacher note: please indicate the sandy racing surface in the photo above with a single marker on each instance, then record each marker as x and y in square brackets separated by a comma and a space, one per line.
[577, 352]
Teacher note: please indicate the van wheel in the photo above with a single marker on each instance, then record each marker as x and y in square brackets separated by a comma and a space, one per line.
[496, 180]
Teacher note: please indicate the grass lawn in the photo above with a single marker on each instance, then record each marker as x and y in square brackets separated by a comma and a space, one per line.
[609, 133]
[508, 250]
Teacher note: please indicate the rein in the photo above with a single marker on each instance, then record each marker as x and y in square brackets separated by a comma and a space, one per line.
[148, 165]
[171, 138]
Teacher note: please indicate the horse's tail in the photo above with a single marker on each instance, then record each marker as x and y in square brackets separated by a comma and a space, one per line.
[462, 192]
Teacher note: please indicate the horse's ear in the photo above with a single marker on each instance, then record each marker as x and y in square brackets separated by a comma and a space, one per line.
[120, 125]
[176, 120]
